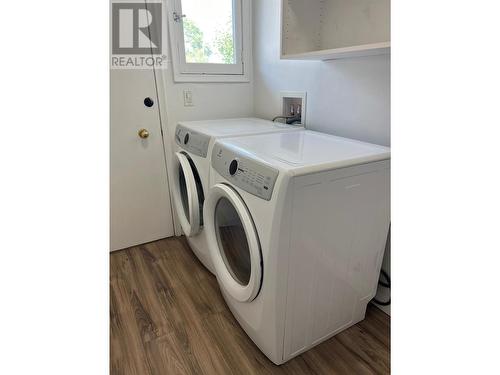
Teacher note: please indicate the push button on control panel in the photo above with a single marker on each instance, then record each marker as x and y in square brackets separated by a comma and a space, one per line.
[233, 167]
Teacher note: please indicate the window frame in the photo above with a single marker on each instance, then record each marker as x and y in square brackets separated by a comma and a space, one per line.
[212, 72]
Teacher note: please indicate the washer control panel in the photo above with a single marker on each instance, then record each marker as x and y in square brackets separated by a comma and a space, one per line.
[191, 141]
[246, 173]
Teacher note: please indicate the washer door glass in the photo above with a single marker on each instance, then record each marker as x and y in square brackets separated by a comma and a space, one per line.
[188, 195]
[233, 242]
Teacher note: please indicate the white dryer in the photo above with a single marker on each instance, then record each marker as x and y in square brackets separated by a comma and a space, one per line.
[193, 144]
[296, 226]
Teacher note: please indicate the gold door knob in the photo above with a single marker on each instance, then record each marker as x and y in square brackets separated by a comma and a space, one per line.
[143, 133]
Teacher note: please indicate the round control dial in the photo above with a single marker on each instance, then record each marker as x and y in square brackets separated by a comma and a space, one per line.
[233, 167]
[186, 138]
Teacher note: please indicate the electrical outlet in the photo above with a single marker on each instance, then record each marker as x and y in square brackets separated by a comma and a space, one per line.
[188, 98]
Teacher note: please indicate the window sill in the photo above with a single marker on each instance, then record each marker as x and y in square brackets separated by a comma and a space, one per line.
[214, 78]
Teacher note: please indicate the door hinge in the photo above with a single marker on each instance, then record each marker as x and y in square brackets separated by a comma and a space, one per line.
[178, 17]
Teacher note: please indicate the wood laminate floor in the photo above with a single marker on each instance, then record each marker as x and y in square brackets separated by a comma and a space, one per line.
[168, 317]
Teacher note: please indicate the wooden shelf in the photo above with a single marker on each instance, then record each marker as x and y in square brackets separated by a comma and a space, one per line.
[340, 53]
[334, 29]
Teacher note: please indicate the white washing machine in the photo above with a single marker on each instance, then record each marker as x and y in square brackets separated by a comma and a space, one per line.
[194, 141]
[296, 226]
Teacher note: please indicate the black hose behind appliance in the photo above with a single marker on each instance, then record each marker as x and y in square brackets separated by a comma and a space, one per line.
[385, 284]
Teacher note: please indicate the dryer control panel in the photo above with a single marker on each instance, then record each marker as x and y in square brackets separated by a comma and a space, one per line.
[245, 172]
[192, 141]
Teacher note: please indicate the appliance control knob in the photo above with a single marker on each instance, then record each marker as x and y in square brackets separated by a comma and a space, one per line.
[186, 138]
[233, 167]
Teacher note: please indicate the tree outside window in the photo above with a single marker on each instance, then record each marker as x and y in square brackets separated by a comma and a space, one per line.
[201, 49]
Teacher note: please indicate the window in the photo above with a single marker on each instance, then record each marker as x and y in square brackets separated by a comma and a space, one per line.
[210, 40]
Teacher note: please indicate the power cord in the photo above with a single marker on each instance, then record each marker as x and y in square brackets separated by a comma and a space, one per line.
[290, 120]
[386, 284]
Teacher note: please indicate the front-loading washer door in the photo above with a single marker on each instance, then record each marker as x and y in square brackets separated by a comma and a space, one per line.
[233, 243]
[188, 195]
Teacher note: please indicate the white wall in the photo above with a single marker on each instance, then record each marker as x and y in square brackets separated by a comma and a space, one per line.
[348, 97]
[211, 100]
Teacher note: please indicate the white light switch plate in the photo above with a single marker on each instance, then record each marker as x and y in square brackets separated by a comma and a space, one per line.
[188, 98]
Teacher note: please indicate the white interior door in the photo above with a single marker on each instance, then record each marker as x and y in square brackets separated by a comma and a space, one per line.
[140, 198]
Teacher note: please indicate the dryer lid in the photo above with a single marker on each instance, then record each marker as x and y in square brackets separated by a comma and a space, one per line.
[308, 148]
